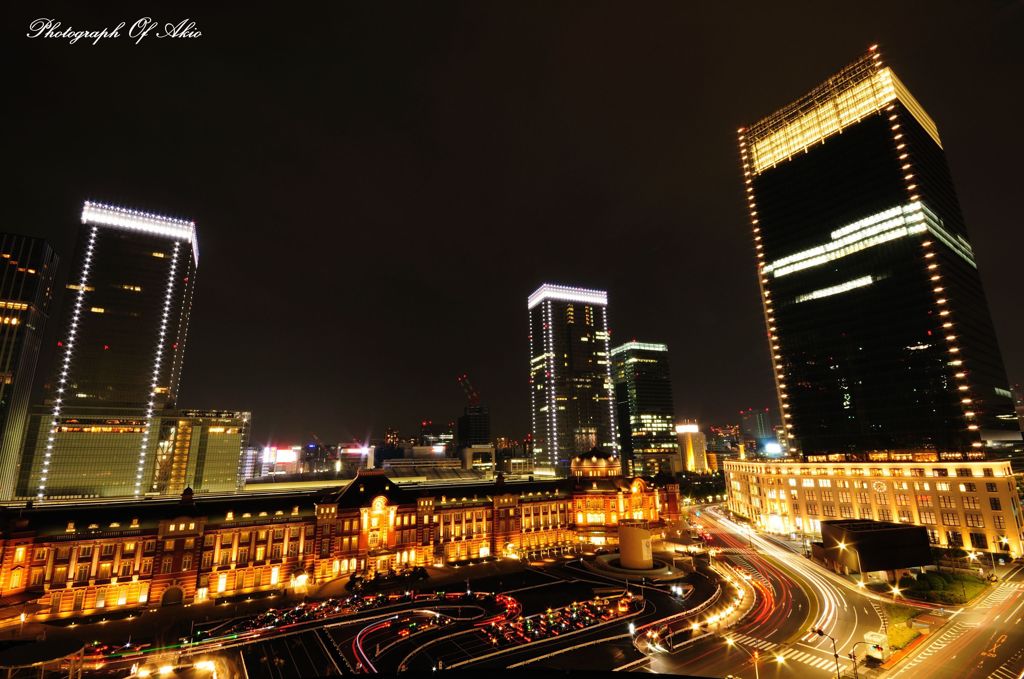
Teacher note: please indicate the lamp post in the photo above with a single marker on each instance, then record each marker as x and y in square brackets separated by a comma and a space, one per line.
[731, 643]
[821, 633]
[853, 657]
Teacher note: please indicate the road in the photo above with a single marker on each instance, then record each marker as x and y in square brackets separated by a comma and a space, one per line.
[793, 596]
[357, 645]
[985, 640]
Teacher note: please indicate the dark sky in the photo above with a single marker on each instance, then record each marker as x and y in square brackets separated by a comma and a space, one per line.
[378, 187]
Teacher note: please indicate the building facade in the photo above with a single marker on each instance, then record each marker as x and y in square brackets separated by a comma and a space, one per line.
[646, 411]
[27, 268]
[880, 333]
[756, 424]
[693, 448]
[201, 450]
[571, 394]
[77, 560]
[120, 350]
[474, 427]
[969, 504]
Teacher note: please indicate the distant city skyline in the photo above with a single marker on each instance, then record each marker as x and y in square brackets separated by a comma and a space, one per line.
[376, 237]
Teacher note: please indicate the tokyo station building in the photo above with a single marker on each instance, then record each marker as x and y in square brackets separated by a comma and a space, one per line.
[61, 561]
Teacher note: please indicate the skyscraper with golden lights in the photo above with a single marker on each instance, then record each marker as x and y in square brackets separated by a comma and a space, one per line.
[881, 337]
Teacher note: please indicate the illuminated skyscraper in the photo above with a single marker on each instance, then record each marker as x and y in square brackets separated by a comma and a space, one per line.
[119, 358]
[881, 337]
[201, 450]
[571, 396]
[693, 448]
[27, 267]
[646, 412]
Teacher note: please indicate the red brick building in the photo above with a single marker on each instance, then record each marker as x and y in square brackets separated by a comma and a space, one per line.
[65, 560]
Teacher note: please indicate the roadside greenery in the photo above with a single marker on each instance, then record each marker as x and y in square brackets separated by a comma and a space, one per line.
[941, 587]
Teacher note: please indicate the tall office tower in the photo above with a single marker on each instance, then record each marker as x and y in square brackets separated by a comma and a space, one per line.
[1018, 402]
[27, 267]
[571, 393]
[201, 450]
[693, 448]
[474, 427]
[119, 359]
[646, 412]
[880, 333]
[756, 424]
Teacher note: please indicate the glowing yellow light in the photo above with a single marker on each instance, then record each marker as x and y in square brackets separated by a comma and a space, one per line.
[855, 92]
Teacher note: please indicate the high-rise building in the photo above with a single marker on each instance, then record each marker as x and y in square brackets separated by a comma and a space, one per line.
[646, 412]
[201, 450]
[880, 333]
[571, 395]
[1018, 403]
[119, 359]
[474, 427]
[756, 424]
[693, 448]
[27, 267]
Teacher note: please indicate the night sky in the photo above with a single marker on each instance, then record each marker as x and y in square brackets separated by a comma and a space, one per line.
[379, 187]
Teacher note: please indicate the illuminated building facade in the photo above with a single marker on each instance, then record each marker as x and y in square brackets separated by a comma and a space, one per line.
[27, 267]
[119, 357]
[67, 560]
[693, 448]
[966, 503]
[880, 333]
[201, 450]
[571, 394]
[646, 412]
[1018, 403]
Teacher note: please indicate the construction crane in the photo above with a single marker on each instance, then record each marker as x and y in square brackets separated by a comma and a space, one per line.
[472, 395]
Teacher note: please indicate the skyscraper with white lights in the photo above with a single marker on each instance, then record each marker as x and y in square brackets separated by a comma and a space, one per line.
[880, 333]
[571, 394]
[119, 356]
[643, 394]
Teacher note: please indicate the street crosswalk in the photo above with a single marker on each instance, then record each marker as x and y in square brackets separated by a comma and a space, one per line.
[809, 659]
[1011, 669]
[940, 642]
[790, 654]
[999, 595]
[760, 644]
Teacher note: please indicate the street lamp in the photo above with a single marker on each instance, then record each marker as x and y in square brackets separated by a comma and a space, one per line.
[821, 633]
[853, 656]
[731, 643]
[860, 568]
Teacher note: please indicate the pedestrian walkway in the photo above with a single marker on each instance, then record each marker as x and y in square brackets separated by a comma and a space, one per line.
[811, 659]
[940, 642]
[760, 644]
[999, 595]
[1011, 669]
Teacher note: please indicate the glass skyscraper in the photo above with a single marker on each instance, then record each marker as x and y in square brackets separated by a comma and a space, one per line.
[643, 396]
[571, 396]
[119, 358]
[27, 267]
[880, 333]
